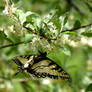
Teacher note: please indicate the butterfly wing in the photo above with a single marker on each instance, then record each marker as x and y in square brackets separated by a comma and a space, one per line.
[45, 67]
[17, 61]
[41, 67]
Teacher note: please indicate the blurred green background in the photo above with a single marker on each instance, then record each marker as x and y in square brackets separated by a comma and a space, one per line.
[73, 51]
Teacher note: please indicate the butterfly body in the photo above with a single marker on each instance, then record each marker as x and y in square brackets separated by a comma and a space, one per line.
[41, 66]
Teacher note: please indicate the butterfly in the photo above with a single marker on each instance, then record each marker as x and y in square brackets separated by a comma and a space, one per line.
[41, 66]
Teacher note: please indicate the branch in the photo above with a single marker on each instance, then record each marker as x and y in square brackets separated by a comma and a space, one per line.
[41, 36]
[14, 44]
[70, 30]
[7, 6]
[18, 43]
[73, 29]
[89, 6]
[75, 6]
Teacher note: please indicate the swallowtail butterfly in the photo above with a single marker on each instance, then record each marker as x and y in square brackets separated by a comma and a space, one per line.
[41, 66]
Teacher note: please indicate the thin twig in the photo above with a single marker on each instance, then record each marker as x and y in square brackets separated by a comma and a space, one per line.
[7, 6]
[73, 29]
[75, 7]
[10, 45]
[41, 36]
[89, 6]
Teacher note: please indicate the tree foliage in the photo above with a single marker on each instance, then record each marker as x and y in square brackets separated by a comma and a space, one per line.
[62, 28]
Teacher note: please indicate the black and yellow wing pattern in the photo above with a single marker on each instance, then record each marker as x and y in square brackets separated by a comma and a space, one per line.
[41, 66]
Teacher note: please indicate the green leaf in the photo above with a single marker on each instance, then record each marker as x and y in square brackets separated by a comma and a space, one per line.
[28, 37]
[87, 34]
[89, 88]
[3, 37]
[13, 37]
[66, 18]
[21, 15]
[18, 87]
[77, 24]
[56, 21]
[29, 26]
[66, 50]
[33, 21]
[38, 22]
[29, 19]
[73, 33]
